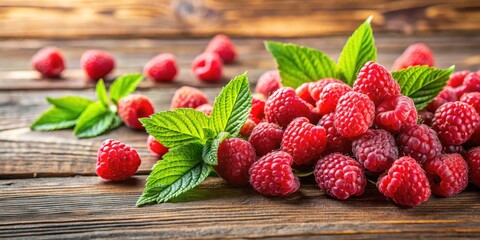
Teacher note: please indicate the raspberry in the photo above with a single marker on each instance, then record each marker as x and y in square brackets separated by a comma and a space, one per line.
[162, 68]
[330, 95]
[235, 156]
[455, 122]
[316, 88]
[208, 67]
[49, 62]
[454, 149]
[97, 64]
[473, 99]
[272, 175]
[206, 108]
[436, 103]
[303, 93]
[223, 46]
[415, 55]
[447, 174]
[188, 97]
[395, 112]
[133, 107]
[335, 141]
[268, 83]
[304, 141]
[419, 142]
[375, 150]
[340, 176]
[376, 82]
[456, 79]
[247, 128]
[471, 83]
[354, 114]
[116, 161]
[266, 137]
[155, 147]
[426, 117]
[473, 161]
[258, 109]
[405, 183]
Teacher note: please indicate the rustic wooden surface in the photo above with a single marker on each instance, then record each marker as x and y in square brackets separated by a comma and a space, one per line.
[48, 187]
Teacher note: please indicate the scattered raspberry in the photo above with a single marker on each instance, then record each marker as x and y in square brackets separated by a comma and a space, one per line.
[456, 79]
[162, 68]
[97, 64]
[354, 114]
[415, 55]
[473, 161]
[155, 147]
[206, 108]
[304, 141]
[116, 161]
[49, 62]
[266, 137]
[375, 150]
[208, 67]
[473, 99]
[455, 122]
[188, 97]
[426, 117]
[471, 83]
[395, 112]
[303, 93]
[268, 83]
[133, 107]
[419, 142]
[340, 176]
[454, 149]
[247, 128]
[272, 175]
[376, 82]
[258, 109]
[223, 46]
[328, 99]
[316, 88]
[335, 141]
[447, 174]
[405, 183]
[235, 156]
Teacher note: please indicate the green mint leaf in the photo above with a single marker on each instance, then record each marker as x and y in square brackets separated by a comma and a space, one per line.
[359, 49]
[117, 122]
[177, 127]
[124, 85]
[54, 119]
[422, 83]
[298, 64]
[232, 106]
[73, 104]
[95, 120]
[210, 150]
[101, 91]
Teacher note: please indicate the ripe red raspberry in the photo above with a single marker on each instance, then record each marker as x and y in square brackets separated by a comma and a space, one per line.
[426, 117]
[208, 67]
[272, 175]
[304, 141]
[456, 79]
[235, 156]
[471, 83]
[247, 128]
[206, 108]
[268, 83]
[473, 161]
[455, 122]
[354, 114]
[155, 147]
[405, 183]
[97, 64]
[188, 97]
[415, 55]
[473, 99]
[447, 174]
[395, 112]
[223, 46]
[449, 149]
[335, 141]
[266, 137]
[258, 109]
[419, 142]
[304, 93]
[376, 82]
[328, 99]
[162, 68]
[375, 150]
[340, 176]
[316, 88]
[116, 161]
[133, 107]
[49, 62]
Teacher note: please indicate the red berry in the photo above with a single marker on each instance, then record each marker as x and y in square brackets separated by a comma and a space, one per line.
[49, 62]
[208, 67]
[206, 108]
[449, 149]
[376, 82]
[405, 183]
[375, 150]
[162, 68]
[316, 88]
[456, 79]
[473, 99]
[354, 114]
[335, 141]
[247, 128]
[419, 142]
[303, 93]
[415, 55]
[268, 83]
[116, 161]
[473, 161]
[188, 97]
[471, 83]
[223, 46]
[284, 105]
[258, 109]
[340, 176]
[272, 175]
[455, 122]
[447, 174]
[395, 112]
[155, 147]
[328, 98]
[133, 107]
[97, 64]
[266, 137]
[235, 156]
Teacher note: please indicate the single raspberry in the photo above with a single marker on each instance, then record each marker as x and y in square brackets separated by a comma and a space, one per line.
[235, 156]
[303, 93]
[316, 88]
[375, 150]
[340, 176]
[49, 62]
[473, 161]
[304, 141]
[473, 99]
[455, 122]
[133, 107]
[162, 68]
[395, 112]
[456, 79]
[376, 82]
[155, 147]
[116, 161]
[447, 174]
[471, 83]
[405, 183]
[266, 137]
[335, 141]
[419, 142]
[415, 55]
[426, 117]
[188, 97]
[328, 99]
[97, 64]
[258, 109]
[268, 83]
[272, 175]
[449, 149]
[206, 108]
[247, 128]
[223, 46]
[354, 114]
[208, 67]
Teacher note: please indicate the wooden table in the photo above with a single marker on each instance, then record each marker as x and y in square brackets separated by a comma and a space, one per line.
[48, 187]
